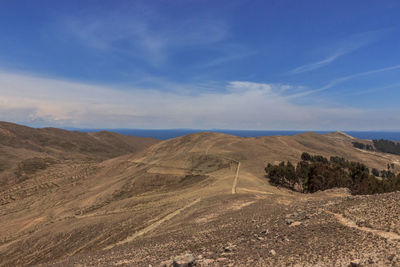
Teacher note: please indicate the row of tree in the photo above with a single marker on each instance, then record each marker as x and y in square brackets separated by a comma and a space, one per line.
[387, 146]
[363, 146]
[314, 173]
[381, 145]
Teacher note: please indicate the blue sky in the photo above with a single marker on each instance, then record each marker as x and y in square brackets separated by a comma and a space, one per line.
[273, 65]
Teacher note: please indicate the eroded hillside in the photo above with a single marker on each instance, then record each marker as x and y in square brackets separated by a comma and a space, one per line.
[204, 194]
[25, 150]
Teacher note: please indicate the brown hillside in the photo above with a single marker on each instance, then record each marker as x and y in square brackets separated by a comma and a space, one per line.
[23, 149]
[203, 194]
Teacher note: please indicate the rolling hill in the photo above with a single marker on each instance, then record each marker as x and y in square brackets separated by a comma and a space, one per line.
[203, 194]
[23, 150]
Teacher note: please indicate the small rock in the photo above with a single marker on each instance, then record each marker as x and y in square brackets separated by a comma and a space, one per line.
[361, 223]
[272, 252]
[184, 261]
[289, 221]
[295, 224]
[226, 254]
[229, 248]
[355, 263]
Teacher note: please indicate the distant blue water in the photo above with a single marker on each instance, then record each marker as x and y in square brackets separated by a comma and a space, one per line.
[172, 133]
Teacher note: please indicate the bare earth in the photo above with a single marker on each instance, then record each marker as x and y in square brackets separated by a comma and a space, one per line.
[203, 194]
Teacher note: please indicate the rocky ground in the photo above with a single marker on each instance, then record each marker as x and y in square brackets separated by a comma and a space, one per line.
[380, 212]
[255, 230]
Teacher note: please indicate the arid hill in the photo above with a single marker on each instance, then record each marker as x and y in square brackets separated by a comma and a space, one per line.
[23, 150]
[204, 195]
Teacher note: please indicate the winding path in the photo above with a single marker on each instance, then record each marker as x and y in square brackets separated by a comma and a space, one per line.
[152, 226]
[349, 223]
[236, 179]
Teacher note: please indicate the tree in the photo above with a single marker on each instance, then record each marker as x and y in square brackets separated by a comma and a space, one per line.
[306, 157]
[316, 173]
[375, 172]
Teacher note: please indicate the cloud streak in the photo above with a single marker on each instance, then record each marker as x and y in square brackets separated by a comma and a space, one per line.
[316, 65]
[343, 79]
[347, 46]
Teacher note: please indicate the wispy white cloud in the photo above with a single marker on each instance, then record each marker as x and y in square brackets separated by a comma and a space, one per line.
[144, 36]
[231, 55]
[242, 105]
[344, 79]
[318, 64]
[342, 48]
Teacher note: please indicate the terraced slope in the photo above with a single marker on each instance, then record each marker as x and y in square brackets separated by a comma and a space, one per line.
[24, 150]
[176, 197]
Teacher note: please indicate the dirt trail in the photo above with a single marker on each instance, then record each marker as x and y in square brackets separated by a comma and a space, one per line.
[235, 180]
[256, 191]
[153, 225]
[349, 223]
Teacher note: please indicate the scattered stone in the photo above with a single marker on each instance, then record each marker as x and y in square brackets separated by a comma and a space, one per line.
[289, 221]
[229, 248]
[355, 263]
[226, 254]
[391, 257]
[272, 252]
[184, 261]
[361, 223]
[295, 224]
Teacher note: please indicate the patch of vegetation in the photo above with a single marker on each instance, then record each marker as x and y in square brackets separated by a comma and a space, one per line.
[32, 165]
[363, 146]
[387, 146]
[314, 173]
